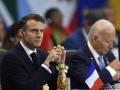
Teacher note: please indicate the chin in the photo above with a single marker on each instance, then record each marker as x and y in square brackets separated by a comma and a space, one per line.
[105, 52]
[37, 45]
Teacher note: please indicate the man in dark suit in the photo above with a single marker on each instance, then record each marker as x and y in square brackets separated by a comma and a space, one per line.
[101, 37]
[25, 67]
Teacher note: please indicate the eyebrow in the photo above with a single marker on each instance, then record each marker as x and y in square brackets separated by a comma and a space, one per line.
[37, 29]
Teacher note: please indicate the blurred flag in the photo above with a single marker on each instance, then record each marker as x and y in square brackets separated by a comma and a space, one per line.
[90, 4]
[93, 80]
[5, 14]
[12, 11]
[40, 6]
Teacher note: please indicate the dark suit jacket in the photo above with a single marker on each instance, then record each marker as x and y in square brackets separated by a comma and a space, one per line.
[81, 62]
[18, 72]
[2, 54]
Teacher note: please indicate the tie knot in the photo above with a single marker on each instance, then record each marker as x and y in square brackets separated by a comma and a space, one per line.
[35, 60]
[100, 58]
[33, 54]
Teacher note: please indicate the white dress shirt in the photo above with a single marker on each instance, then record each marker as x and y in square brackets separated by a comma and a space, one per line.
[96, 55]
[29, 52]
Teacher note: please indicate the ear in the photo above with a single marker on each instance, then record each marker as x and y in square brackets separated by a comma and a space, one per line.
[21, 33]
[95, 38]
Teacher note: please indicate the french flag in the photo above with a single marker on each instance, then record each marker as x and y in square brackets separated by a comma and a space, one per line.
[93, 80]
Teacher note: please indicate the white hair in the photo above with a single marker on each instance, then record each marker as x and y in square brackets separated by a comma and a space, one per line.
[100, 26]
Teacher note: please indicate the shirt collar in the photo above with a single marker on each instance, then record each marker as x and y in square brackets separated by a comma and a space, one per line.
[27, 50]
[94, 53]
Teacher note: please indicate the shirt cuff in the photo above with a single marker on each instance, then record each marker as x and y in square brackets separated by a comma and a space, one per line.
[47, 68]
[111, 70]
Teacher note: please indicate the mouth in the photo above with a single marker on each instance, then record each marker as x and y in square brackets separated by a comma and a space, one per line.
[106, 51]
[38, 41]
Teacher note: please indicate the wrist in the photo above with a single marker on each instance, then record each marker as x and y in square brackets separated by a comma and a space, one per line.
[46, 63]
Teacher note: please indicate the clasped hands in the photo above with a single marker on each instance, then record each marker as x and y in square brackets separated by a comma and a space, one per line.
[115, 64]
[57, 54]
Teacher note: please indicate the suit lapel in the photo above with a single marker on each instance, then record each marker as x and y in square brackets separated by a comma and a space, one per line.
[90, 57]
[40, 56]
[25, 59]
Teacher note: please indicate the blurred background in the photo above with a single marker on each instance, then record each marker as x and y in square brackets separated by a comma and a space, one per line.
[65, 19]
[71, 9]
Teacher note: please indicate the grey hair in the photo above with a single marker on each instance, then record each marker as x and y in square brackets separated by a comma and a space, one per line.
[99, 26]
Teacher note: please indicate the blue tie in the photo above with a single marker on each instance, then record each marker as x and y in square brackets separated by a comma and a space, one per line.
[101, 62]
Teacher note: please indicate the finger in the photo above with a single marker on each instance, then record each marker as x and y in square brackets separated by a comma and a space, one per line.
[54, 47]
[62, 48]
[59, 53]
[48, 51]
[58, 46]
[58, 50]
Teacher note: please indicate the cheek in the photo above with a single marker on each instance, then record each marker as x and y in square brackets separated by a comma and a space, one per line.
[104, 48]
[28, 37]
[42, 34]
[100, 47]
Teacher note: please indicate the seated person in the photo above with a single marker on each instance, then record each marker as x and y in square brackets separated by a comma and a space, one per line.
[55, 33]
[27, 67]
[101, 37]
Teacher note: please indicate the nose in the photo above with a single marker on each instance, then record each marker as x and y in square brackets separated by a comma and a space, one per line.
[39, 34]
[111, 45]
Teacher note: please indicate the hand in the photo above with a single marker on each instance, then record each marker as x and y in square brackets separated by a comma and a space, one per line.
[54, 54]
[62, 56]
[115, 64]
[117, 76]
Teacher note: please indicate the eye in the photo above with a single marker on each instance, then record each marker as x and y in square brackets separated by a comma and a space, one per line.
[41, 30]
[109, 41]
[34, 30]
[37, 30]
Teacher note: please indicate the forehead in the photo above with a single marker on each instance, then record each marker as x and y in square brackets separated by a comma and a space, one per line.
[108, 34]
[35, 24]
[56, 14]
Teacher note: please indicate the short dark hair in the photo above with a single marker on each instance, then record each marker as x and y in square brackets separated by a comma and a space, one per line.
[35, 17]
[49, 12]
